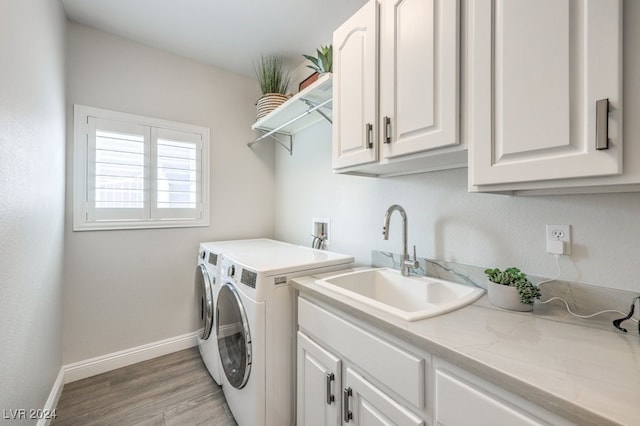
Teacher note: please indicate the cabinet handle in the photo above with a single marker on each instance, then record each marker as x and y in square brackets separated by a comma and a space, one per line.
[369, 129]
[330, 398]
[347, 414]
[602, 124]
[387, 129]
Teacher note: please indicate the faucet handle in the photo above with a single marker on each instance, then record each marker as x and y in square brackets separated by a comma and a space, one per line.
[413, 263]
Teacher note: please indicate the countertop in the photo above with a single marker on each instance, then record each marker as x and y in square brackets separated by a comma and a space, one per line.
[587, 375]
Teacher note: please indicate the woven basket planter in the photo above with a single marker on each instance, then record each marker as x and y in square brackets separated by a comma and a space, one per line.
[268, 102]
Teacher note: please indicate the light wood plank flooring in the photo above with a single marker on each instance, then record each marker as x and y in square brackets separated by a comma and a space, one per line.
[174, 389]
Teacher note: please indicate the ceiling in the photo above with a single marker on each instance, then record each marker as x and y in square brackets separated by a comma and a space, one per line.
[229, 34]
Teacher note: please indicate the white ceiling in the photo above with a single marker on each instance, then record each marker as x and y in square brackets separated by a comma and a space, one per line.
[229, 34]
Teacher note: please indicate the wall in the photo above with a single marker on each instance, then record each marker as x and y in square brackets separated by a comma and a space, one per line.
[32, 147]
[448, 223]
[129, 288]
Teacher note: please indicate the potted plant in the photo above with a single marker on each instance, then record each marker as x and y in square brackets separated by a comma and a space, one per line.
[324, 62]
[511, 289]
[273, 78]
[321, 64]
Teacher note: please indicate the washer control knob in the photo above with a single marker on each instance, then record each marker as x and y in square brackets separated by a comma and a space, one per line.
[231, 271]
[203, 254]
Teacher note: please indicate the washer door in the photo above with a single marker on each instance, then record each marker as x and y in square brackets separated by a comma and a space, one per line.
[204, 301]
[234, 339]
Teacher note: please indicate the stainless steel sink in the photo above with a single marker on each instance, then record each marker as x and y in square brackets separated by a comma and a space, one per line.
[409, 298]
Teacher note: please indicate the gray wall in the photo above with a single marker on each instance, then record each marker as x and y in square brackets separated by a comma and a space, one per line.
[128, 288]
[448, 223]
[32, 147]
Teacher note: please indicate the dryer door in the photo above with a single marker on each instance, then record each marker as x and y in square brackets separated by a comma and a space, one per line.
[204, 301]
[234, 339]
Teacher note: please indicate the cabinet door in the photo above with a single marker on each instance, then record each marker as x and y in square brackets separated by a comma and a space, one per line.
[419, 80]
[537, 69]
[364, 404]
[355, 47]
[319, 384]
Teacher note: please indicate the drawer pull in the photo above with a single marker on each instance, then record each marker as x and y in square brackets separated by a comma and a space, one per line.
[387, 130]
[330, 378]
[369, 129]
[347, 414]
[602, 124]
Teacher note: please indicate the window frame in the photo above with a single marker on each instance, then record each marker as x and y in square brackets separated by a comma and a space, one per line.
[84, 220]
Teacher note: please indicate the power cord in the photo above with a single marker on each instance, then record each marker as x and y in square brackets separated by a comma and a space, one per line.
[557, 258]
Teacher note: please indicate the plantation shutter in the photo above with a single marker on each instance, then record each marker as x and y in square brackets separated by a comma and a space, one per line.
[117, 170]
[176, 175]
[135, 172]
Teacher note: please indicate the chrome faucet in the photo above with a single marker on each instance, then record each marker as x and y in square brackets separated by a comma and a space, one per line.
[407, 263]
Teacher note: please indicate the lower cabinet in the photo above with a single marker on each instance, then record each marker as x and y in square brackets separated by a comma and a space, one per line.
[349, 372]
[349, 375]
[365, 404]
[329, 394]
[319, 384]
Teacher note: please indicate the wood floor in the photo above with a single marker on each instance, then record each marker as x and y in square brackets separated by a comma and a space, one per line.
[175, 389]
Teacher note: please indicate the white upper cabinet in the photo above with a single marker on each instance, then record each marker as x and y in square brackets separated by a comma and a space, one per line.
[419, 99]
[396, 88]
[355, 91]
[537, 69]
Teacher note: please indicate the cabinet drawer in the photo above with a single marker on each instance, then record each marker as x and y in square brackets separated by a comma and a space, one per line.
[398, 369]
[462, 398]
[480, 408]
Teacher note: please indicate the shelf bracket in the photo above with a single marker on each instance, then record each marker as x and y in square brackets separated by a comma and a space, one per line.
[289, 146]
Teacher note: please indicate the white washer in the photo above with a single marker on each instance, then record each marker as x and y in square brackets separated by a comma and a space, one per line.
[256, 326]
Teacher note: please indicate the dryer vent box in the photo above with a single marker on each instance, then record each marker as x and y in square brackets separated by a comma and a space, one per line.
[321, 229]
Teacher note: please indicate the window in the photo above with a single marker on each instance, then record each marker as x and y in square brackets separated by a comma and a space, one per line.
[138, 172]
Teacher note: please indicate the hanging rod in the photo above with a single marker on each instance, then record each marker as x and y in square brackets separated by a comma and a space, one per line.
[293, 120]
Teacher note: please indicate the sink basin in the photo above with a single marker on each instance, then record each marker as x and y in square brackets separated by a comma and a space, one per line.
[409, 298]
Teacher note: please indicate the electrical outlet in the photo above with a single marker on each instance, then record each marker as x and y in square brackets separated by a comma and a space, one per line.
[557, 234]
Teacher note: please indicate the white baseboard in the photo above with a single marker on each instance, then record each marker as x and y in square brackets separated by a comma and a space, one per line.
[102, 364]
[52, 401]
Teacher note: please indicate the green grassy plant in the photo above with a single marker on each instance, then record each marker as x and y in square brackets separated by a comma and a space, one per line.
[272, 74]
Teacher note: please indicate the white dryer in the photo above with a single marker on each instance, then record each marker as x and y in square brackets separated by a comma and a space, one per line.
[256, 326]
[207, 279]
[207, 282]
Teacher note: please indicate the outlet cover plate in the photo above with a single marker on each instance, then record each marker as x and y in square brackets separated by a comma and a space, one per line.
[559, 233]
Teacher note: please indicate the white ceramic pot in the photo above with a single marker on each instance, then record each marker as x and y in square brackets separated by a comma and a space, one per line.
[506, 297]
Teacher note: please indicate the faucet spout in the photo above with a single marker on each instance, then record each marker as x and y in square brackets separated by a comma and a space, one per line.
[406, 263]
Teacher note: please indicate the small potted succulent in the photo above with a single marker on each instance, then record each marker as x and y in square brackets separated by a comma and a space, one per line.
[321, 64]
[324, 62]
[273, 78]
[511, 289]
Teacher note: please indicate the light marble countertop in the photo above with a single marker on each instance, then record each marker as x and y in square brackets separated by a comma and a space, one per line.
[590, 376]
